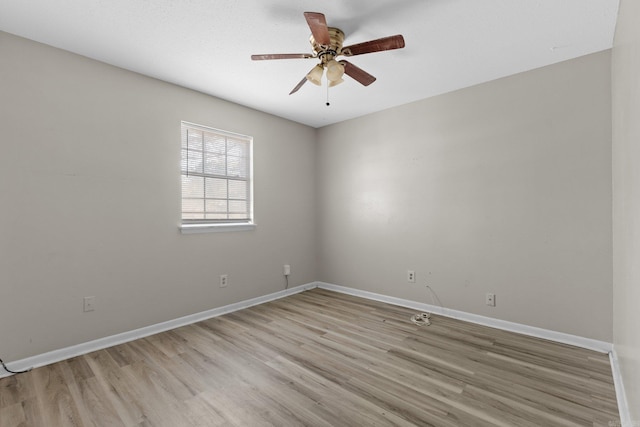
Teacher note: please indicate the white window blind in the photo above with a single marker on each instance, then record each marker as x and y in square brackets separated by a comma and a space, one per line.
[216, 176]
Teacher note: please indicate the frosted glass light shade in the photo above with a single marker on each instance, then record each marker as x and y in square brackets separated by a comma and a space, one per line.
[315, 75]
[335, 70]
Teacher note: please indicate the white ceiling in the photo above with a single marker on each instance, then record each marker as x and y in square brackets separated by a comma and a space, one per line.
[206, 44]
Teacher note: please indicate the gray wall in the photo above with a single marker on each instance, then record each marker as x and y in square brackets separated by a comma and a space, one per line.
[503, 187]
[90, 196]
[626, 199]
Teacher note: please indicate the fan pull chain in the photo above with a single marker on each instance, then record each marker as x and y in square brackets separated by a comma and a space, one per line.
[328, 94]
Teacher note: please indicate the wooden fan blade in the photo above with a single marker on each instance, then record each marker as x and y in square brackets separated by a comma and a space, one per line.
[318, 25]
[385, 43]
[357, 73]
[298, 86]
[281, 56]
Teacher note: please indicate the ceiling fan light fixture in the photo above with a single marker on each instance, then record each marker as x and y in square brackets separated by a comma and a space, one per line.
[327, 45]
[335, 71]
[315, 75]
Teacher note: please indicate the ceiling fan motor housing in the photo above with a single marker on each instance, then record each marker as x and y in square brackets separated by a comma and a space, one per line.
[329, 52]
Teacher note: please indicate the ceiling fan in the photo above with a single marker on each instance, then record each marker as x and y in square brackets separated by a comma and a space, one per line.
[326, 43]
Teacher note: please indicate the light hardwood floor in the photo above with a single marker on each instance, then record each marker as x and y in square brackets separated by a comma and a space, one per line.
[320, 358]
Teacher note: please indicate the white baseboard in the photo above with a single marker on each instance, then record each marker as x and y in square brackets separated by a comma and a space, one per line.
[79, 349]
[621, 395]
[101, 343]
[561, 337]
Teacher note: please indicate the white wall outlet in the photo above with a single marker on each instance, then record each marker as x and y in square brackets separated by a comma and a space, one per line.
[287, 269]
[224, 280]
[89, 304]
[411, 276]
[490, 299]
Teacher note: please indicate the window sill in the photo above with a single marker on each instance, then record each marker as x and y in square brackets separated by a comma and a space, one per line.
[215, 228]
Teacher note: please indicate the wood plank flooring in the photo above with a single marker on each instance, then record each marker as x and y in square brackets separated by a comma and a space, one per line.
[320, 358]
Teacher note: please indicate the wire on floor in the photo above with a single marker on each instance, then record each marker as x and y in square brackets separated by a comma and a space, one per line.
[421, 319]
[13, 372]
[424, 319]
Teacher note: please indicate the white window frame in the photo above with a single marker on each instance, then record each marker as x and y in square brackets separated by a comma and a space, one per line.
[215, 225]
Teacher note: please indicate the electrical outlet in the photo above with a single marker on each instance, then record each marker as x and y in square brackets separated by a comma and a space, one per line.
[89, 304]
[411, 276]
[490, 299]
[224, 280]
[287, 269]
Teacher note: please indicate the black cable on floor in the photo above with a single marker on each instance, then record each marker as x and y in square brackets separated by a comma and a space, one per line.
[13, 372]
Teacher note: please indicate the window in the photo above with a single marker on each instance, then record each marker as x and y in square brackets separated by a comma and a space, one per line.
[216, 179]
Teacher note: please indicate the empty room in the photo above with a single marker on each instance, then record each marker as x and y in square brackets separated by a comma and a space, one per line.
[279, 213]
